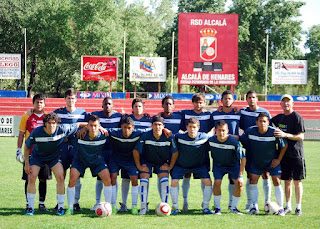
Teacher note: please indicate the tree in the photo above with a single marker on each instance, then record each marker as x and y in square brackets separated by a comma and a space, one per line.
[313, 57]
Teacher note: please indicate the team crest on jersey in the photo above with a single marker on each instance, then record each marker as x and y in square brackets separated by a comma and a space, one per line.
[208, 44]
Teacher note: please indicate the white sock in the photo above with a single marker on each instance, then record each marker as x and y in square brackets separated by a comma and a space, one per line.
[235, 201]
[78, 191]
[174, 196]
[99, 187]
[164, 181]
[207, 192]
[60, 200]
[288, 205]
[254, 194]
[249, 198]
[114, 196]
[125, 185]
[217, 201]
[267, 190]
[279, 195]
[202, 187]
[70, 196]
[107, 192]
[159, 186]
[143, 191]
[30, 197]
[41, 202]
[298, 206]
[231, 190]
[185, 189]
[134, 195]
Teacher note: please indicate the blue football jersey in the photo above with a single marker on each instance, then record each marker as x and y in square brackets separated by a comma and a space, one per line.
[108, 122]
[231, 118]
[249, 117]
[225, 154]
[47, 146]
[206, 123]
[193, 152]
[174, 122]
[142, 123]
[79, 115]
[156, 151]
[261, 148]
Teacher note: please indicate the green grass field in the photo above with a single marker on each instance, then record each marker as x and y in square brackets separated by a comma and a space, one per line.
[12, 203]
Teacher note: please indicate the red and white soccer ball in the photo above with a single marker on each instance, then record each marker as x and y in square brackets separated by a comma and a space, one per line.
[103, 209]
[163, 209]
[271, 208]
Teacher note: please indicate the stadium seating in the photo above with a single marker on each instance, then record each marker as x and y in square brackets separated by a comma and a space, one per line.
[18, 106]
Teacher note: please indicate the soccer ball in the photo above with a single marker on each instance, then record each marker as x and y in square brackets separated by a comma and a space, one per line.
[271, 208]
[103, 209]
[163, 209]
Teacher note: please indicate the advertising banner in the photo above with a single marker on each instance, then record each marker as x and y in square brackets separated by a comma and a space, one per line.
[101, 95]
[10, 66]
[208, 49]
[148, 69]
[296, 98]
[6, 126]
[95, 68]
[184, 96]
[289, 71]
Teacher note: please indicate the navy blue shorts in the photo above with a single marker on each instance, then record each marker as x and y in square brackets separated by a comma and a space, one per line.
[34, 160]
[258, 171]
[155, 167]
[178, 172]
[96, 166]
[128, 166]
[219, 172]
[68, 152]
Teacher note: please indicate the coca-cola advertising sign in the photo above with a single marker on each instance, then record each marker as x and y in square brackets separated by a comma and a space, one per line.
[97, 68]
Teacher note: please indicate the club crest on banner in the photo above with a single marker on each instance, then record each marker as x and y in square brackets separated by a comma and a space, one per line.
[147, 65]
[208, 44]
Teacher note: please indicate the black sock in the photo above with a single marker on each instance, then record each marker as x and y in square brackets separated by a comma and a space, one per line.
[42, 190]
[25, 189]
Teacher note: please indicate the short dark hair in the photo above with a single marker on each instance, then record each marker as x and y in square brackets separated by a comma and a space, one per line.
[51, 116]
[38, 96]
[127, 120]
[106, 98]
[193, 120]
[166, 98]
[221, 123]
[263, 114]
[251, 92]
[137, 101]
[198, 96]
[157, 119]
[227, 92]
[93, 118]
[70, 92]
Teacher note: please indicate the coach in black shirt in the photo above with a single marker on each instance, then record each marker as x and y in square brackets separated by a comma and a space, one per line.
[291, 127]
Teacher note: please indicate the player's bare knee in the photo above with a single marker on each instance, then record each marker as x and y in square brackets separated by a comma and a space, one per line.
[114, 178]
[174, 183]
[188, 175]
[134, 180]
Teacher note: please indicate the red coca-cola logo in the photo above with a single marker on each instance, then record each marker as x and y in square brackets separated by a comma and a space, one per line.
[99, 68]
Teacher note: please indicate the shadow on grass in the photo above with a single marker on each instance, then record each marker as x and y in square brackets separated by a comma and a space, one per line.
[21, 211]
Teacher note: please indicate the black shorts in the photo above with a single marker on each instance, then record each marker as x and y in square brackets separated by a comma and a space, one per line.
[293, 168]
[44, 173]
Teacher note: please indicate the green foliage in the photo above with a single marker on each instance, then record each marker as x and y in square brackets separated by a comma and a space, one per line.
[313, 57]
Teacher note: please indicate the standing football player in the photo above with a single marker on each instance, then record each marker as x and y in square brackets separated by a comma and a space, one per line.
[228, 157]
[27, 124]
[291, 127]
[47, 140]
[89, 155]
[68, 115]
[155, 152]
[248, 118]
[206, 124]
[193, 156]
[108, 119]
[232, 118]
[267, 152]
